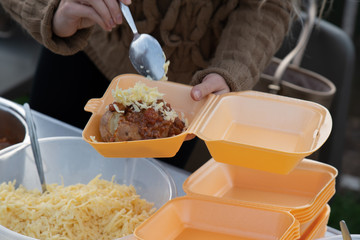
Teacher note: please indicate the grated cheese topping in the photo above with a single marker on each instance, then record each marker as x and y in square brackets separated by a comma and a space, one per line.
[143, 97]
[166, 68]
[100, 210]
[93, 139]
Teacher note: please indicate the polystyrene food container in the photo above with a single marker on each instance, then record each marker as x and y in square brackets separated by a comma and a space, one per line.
[302, 192]
[307, 214]
[250, 129]
[318, 226]
[192, 218]
[339, 237]
[71, 160]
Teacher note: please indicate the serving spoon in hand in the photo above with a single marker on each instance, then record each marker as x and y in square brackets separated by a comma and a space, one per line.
[145, 53]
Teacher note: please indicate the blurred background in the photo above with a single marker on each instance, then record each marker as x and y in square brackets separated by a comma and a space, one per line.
[19, 54]
[346, 202]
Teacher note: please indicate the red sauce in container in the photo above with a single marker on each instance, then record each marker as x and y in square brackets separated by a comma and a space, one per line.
[4, 143]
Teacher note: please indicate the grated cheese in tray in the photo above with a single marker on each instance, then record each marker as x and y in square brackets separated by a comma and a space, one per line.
[99, 210]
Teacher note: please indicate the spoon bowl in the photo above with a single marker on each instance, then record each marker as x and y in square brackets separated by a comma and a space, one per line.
[145, 53]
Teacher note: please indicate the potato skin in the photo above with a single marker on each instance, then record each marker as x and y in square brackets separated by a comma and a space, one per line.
[124, 124]
[106, 131]
[113, 128]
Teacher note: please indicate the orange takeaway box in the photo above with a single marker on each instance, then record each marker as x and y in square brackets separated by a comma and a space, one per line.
[250, 129]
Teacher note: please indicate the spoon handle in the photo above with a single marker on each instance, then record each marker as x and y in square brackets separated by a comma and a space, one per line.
[35, 145]
[345, 231]
[127, 14]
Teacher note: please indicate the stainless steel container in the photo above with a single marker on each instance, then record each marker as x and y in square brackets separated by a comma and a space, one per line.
[13, 126]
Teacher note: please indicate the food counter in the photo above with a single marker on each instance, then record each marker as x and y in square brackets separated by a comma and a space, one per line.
[49, 127]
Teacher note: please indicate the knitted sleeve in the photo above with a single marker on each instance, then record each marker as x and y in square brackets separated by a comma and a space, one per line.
[251, 37]
[35, 16]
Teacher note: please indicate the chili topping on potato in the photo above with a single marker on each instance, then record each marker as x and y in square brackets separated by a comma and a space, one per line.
[139, 113]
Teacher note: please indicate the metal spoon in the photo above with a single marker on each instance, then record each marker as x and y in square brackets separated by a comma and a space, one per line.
[345, 231]
[145, 52]
[35, 146]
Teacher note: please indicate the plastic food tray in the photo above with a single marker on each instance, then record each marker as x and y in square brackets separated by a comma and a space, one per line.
[339, 237]
[306, 214]
[318, 227]
[251, 129]
[302, 192]
[191, 218]
[305, 227]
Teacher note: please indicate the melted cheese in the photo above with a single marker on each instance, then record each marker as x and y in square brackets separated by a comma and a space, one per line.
[100, 210]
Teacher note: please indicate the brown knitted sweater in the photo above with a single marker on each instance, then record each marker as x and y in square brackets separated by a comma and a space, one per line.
[235, 38]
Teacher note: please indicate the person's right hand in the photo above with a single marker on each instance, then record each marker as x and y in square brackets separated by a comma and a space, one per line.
[72, 15]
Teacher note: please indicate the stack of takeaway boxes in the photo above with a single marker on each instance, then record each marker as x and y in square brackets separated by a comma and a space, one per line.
[225, 201]
[258, 184]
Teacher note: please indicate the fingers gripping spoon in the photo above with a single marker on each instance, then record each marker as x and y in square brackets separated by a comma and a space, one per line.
[145, 52]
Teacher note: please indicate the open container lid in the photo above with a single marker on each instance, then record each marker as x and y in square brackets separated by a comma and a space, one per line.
[250, 129]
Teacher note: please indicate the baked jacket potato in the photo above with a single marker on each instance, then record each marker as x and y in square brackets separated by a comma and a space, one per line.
[120, 123]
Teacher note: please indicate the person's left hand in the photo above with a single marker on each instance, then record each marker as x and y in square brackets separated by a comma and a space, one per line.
[212, 83]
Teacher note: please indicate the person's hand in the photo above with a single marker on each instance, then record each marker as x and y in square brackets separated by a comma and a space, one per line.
[212, 83]
[72, 15]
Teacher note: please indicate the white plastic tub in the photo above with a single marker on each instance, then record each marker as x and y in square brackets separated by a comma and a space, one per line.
[75, 161]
